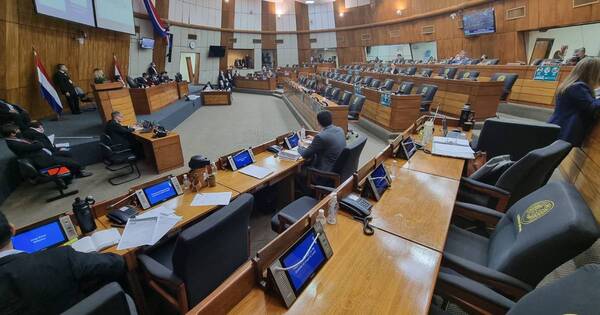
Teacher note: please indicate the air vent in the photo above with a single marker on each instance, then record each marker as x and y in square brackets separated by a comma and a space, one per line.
[581, 3]
[192, 36]
[365, 36]
[279, 41]
[428, 29]
[313, 40]
[395, 33]
[256, 41]
[515, 13]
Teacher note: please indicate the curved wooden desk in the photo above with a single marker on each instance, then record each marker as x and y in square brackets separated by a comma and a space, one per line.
[152, 99]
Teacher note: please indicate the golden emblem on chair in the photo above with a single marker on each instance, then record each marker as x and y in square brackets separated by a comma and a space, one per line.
[534, 212]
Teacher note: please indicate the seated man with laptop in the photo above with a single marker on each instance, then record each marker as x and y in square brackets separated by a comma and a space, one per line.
[38, 279]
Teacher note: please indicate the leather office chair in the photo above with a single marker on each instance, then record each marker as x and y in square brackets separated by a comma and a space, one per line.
[520, 179]
[131, 82]
[335, 94]
[117, 157]
[110, 299]
[538, 233]
[345, 98]
[516, 138]
[492, 62]
[427, 92]
[411, 70]
[345, 165]
[447, 73]
[59, 174]
[536, 62]
[375, 83]
[312, 84]
[367, 81]
[348, 78]
[426, 73]
[388, 85]
[576, 293]
[357, 79]
[387, 69]
[405, 88]
[356, 106]
[327, 91]
[509, 80]
[187, 268]
[468, 75]
[402, 71]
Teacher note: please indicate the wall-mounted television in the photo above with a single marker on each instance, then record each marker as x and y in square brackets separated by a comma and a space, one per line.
[479, 22]
[146, 42]
[81, 11]
[116, 15]
[216, 51]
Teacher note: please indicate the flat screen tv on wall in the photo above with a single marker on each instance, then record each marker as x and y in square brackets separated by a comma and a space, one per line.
[216, 51]
[479, 22]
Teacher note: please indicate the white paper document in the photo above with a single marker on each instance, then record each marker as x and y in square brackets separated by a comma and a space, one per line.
[212, 199]
[163, 226]
[97, 241]
[158, 211]
[291, 155]
[256, 171]
[138, 232]
[452, 147]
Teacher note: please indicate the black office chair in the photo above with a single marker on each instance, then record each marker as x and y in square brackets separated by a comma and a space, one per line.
[335, 94]
[117, 157]
[468, 75]
[356, 106]
[388, 85]
[187, 268]
[131, 82]
[375, 83]
[110, 299]
[427, 92]
[345, 98]
[327, 91]
[367, 80]
[537, 234]
[536, 62]
[402, 71]
[516, 138]
[520, 179]
[60, 175]
[357, 79]
[411, 70]
[492, 62]
[576, 293]
[312, 85]
[426, 73]
[447, 73]
[387, 69]
[348, 78]
[509, 80]
[405, 88]
[345, 166]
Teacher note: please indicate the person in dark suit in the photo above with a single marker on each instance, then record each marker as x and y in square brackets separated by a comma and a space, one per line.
[13, 113]
[66, 87]
[144, 80]
[123, 135]
[35, 132]
[40, 156]
[327, 145]
[50, 281]
[576, 106]
[152, 70]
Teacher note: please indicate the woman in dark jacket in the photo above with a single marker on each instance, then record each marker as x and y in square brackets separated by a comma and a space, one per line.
[576, 104]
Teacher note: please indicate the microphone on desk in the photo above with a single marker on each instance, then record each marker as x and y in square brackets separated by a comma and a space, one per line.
[118, 202]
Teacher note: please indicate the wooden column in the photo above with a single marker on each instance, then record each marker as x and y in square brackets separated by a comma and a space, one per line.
[159, 53]
[302, 21]
[227, 22]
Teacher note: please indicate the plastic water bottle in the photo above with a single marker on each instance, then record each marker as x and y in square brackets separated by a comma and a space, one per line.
[302, 133]
[394, 166]
[321, 217]
[333, 207]
[427, 132]
[186, 182]
[213, 168]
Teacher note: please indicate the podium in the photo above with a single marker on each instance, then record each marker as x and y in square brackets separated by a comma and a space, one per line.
[113, 96]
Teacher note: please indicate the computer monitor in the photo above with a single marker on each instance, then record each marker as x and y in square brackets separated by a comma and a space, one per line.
[292, 141]
[241, 159]
[41, 237]
[160, 192]
[379, 181]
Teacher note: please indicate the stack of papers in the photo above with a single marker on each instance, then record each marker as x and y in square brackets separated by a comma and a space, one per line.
[256, 171]
[212, 199]
[98, 241]
[148, 227]
[291, 155]
[452, 147]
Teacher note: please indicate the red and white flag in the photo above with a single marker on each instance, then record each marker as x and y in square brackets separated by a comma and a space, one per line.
[46, 88]
[118, 74]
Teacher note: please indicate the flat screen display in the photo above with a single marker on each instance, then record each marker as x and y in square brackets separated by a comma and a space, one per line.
[116, 15]
[216, 51]
[160, 192]
[40, 238]
[79, 11]
[146, 42]
[293, 140]
[300, 275]
[479, 22]
[380, 179]
[409, 147]
[242, 159]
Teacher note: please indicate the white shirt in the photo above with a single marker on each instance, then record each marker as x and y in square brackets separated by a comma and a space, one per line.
[9, 252]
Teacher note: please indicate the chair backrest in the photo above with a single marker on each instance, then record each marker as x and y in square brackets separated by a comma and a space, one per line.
[509, 80]
[110, 299]
[426, 72]
[542, 231]
[347, 163]
[356, 104]
[345, 98]
[388, 85]
[131, 82]
[107, 151]
[576, 293]
[533, 170]
[211, 250]
[357, 79]
[387, 69]
[405, 88]
[327, 92]
[494, 61]
[517, 138]
[105, 139]
[411, 70]
[27, 169]
[536, 62]
[427, 91]
[375, 83]
[468, 75]
[312, 84]
[335, 93]
[367, 80]
[447, 73]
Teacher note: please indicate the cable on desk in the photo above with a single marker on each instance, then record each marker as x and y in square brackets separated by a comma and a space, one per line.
[367, 227]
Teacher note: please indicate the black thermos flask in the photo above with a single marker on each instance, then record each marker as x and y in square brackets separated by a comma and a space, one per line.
[83, 213]
[465, 114]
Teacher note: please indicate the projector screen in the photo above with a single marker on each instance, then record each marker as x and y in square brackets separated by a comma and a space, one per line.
[116, 15]
[80, 11]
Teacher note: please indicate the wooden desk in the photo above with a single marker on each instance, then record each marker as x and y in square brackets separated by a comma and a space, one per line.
[379, 274]
[149, 100]
[183, 89]
[435, 165]
[215, 98]
[269, 84]
[112, 97]
[164, 154]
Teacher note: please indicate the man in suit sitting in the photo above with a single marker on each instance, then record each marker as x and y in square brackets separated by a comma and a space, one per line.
[123, 135]
[66, 86]
[143, 81]
[40, 156]
[13, 113]
[50, 281]
[327, 145]
[35, 132]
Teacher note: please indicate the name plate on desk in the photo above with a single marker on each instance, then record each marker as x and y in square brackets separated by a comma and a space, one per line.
[385, 99]
[546, 73]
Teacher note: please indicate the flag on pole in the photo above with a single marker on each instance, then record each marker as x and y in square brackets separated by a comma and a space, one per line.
[118, 74]
[46, 88]
[157, 23]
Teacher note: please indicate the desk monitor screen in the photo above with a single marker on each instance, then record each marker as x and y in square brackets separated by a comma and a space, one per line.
[40, 237]
[300, 275]
[408, 148]
[379, 181]
[160, 192]
[292, 141]
[242, 159]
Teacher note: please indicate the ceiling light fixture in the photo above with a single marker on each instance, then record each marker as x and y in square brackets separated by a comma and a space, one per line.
[310, 1]
[341, 14]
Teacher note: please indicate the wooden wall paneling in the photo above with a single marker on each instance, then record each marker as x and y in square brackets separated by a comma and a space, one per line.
[227, 22]
[269, 23]
[302, 24]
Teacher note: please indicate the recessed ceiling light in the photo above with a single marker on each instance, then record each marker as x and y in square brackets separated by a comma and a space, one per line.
[310, 1]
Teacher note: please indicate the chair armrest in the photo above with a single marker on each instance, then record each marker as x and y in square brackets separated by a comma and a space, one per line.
[479, 213]
[313, 173]
[470, 295]
[285, 221]
[159, 272]
[500, 282]
[322, 190]
[492, 191]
